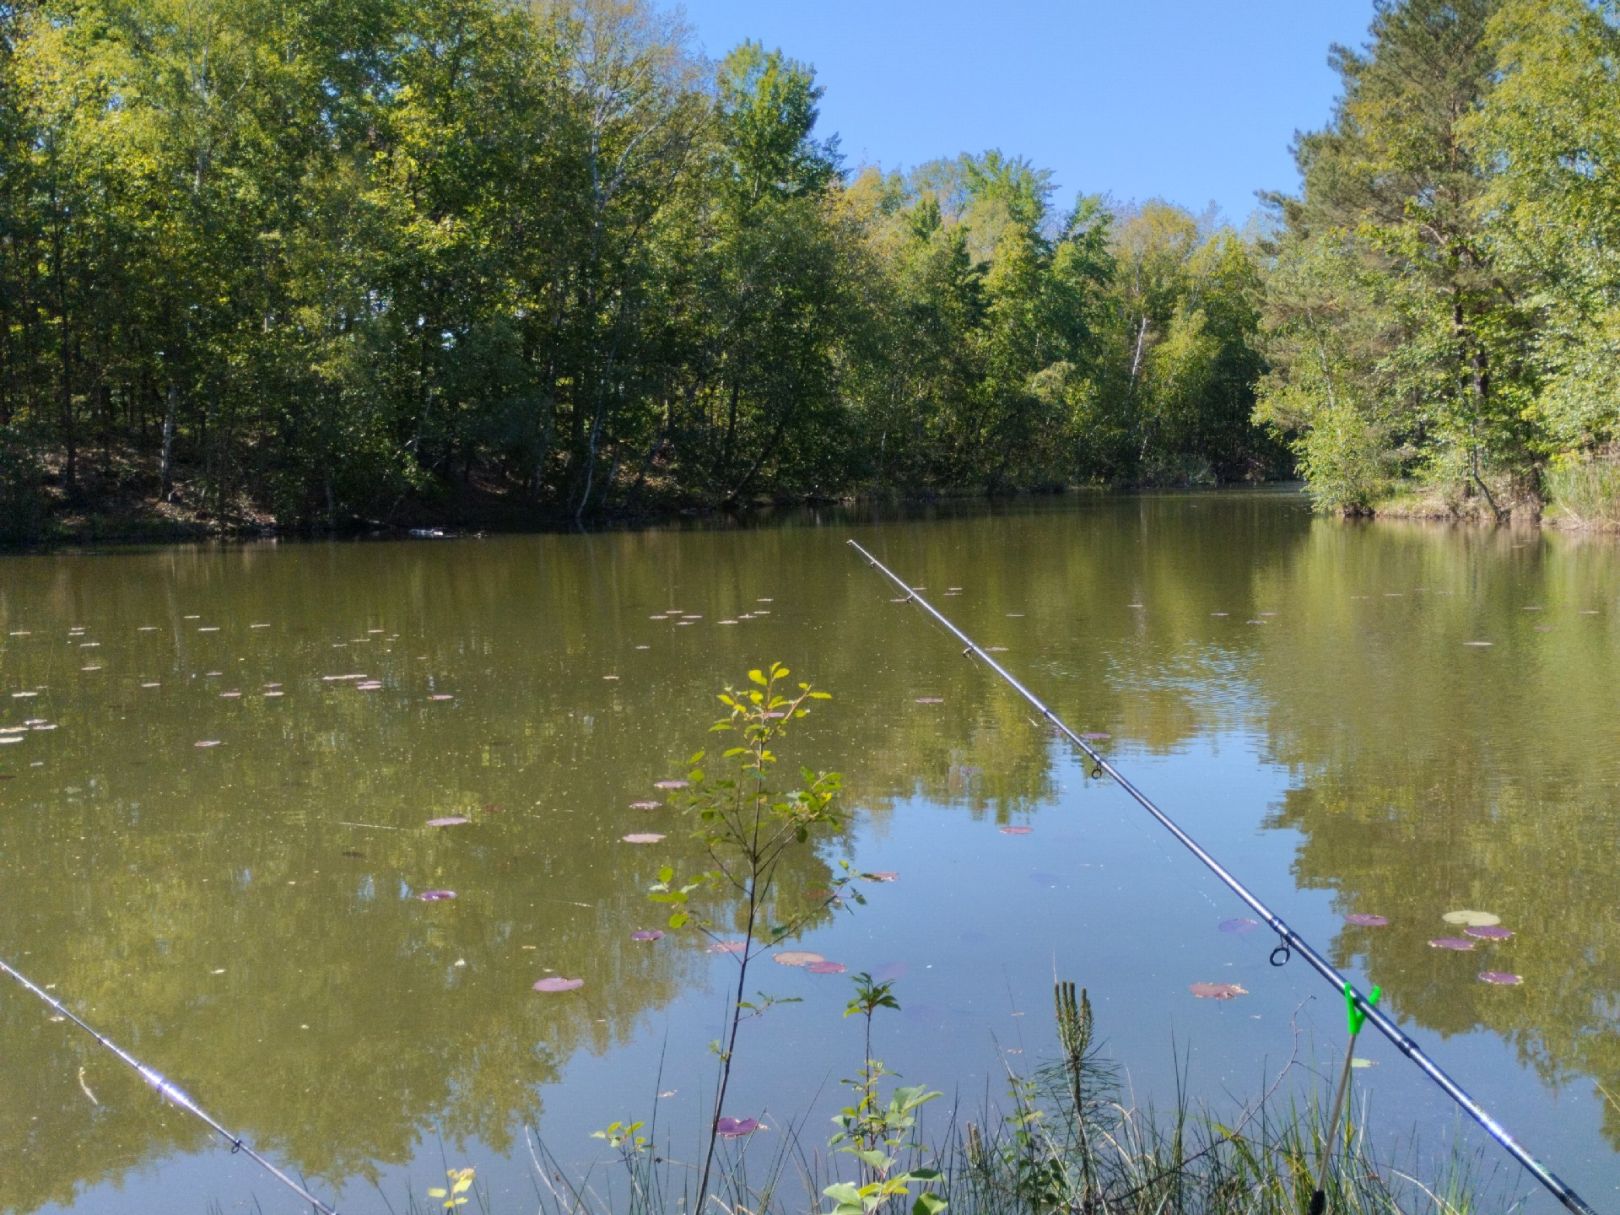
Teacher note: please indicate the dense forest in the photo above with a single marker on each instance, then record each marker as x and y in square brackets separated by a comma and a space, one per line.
[384, 260]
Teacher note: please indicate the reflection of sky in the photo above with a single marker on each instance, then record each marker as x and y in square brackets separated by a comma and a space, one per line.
[1223, 721]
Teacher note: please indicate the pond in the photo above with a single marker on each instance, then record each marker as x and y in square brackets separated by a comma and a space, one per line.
[219, 766]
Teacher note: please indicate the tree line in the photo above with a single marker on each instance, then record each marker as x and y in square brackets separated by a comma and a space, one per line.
[326, 262]
[321, 259]
[1443, 296]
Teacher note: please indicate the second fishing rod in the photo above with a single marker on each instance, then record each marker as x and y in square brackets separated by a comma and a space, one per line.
[1289, 941]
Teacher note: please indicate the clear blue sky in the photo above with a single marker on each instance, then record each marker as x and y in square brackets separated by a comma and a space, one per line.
[1193, 101]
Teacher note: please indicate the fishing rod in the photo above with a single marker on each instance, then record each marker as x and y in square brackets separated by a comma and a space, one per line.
[1289, 941]
[168, 1091]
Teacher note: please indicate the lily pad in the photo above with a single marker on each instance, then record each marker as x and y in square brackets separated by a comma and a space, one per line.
[671, 784]
[642, 837]
[1240, 924]
[1460, 944]
[796, 957]
[646, 934]
[555, 983]
[1502, 978]
[735, 1128]
[1217, 991]
[826, 968]
[1471, 919]
[645, 805]
[436, 896]
[1366, 919]
[449, 820]
[1488, 932]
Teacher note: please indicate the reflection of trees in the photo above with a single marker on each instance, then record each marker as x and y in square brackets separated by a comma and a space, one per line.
[134, 864]
[350, 1018]
[1438, 775]
[138, 865]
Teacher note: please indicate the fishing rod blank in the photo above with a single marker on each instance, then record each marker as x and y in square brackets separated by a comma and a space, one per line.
[168, 1091]
[1289, 940]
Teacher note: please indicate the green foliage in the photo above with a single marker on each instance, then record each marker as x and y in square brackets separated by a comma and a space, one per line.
[1443, 304]
[455, 1195]
[876, 1133]
[22, 498]
[325, 259]
[746, 827]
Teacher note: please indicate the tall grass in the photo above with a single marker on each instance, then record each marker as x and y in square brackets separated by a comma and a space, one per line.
[1586, 493]
[1068, 1140]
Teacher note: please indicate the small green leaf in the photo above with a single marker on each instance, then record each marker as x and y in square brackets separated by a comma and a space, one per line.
[844, 1193]
[758, 677]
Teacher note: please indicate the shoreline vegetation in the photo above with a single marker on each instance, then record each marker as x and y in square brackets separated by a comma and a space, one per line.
[392, 259]
[1068, 1139]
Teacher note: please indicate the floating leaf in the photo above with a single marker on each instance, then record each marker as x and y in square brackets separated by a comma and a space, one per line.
[930, 700]
[646, 934]
[1366, 919]
[436, 896]
[449, 820]
[1502, 978]
[1460, 944]
[1217, 991]
[1471, 919]
[735, 1128]
[826, 968]
[1488, 932]
[1241, 924]
[882, 875]
[1017, 830]
[645, 805]
[1479, 643]
[555, 983]
[796, 957]
[206, 742]
[642, 837]
[1358, 1061]
[671, 784]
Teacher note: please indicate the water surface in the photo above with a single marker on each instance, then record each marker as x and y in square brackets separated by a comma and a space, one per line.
[1403, 721]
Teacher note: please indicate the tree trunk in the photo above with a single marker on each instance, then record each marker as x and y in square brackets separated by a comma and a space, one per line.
[166, 460]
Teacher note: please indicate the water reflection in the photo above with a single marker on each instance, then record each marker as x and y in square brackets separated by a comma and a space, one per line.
[244, 914]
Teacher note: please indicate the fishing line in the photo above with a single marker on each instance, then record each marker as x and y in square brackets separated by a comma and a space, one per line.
[1289, 942]
[168, 1091]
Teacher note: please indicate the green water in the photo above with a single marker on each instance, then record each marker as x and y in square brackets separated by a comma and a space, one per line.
[1302, 694]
